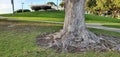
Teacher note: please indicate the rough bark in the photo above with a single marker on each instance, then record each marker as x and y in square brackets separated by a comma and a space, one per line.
[74, 29]
[74, 36]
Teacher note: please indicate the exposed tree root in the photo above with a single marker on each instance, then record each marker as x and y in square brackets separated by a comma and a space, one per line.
[67, 42]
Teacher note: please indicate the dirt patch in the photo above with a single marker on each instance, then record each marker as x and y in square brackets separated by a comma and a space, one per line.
[45, 40]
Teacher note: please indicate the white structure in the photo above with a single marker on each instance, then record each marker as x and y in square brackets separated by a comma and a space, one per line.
[58, 8]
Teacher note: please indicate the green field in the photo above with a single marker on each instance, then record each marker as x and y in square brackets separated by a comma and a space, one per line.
[42, 14]
[58, 16]
[18, 37]
[116, 25]
[39, 19]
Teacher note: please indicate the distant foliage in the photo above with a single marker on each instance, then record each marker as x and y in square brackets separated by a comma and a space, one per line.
[39, 7]
[51, 3]
[20, 10]
[103, 7]
[62, 4]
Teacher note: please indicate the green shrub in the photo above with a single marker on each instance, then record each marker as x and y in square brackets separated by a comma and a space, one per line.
[20, 10]
[39, 7]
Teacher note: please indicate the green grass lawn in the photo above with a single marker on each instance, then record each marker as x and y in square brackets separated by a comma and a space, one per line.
[58, 16]
[100, 19]
[39, 19]
[105, 32]
[105, 21]
[18, 39]
[116, 25]
[41, 14]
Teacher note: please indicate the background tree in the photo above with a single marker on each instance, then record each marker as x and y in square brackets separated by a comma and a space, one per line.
[116, 3]
[115, 8]
[103, 5]
[62, 4]
[90, 5]
[51, 3]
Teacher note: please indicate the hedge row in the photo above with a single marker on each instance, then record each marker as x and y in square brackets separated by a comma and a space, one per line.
[20, 10]
[39, 7]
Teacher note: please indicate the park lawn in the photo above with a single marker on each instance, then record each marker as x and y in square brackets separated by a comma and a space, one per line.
[89, 19]
[42, 14]
[116, 25]
[105, 32]
[105, 21]
[38, 19]
[18, 39]
[100, 19]
[58, 16]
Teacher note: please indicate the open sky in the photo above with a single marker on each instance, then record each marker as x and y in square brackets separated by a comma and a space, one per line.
[5, 5]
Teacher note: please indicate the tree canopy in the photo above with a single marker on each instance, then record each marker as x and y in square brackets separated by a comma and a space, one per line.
[102, 6]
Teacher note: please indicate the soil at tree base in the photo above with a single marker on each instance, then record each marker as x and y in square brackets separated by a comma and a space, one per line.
[44, 40]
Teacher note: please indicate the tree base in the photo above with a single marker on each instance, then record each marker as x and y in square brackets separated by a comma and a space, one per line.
[62, 43]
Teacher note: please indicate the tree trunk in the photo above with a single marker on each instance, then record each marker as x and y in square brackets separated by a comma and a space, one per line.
[74, 29]
[74, 36]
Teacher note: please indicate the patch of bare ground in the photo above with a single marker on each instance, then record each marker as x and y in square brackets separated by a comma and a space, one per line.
[53, 41]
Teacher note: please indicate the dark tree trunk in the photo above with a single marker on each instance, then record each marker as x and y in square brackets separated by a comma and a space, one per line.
[12, 2]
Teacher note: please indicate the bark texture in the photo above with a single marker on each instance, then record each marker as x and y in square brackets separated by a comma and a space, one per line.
[75, 36]
[74, 30]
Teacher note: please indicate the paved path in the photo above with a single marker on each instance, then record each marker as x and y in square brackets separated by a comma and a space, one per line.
[99, 26]
[90, 25]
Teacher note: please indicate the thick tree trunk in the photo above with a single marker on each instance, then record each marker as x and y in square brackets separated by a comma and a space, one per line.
[74, 29]
[74, 36]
